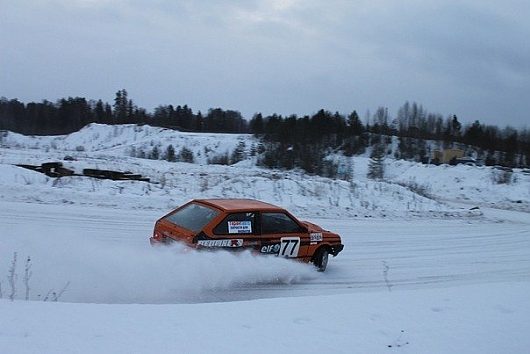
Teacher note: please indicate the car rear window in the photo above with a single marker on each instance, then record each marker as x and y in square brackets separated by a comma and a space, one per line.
[192, 217]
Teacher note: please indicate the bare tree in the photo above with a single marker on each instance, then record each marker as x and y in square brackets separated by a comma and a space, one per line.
[27, 276]
[12, 277]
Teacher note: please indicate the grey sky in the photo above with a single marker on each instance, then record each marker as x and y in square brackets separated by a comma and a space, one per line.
[469, 58]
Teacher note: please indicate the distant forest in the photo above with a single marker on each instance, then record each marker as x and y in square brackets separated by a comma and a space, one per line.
[288, 141]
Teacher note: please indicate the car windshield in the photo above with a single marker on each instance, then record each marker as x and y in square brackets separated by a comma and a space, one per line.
[192, 217]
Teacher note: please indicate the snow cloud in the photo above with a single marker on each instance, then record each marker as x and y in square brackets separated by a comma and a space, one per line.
[102, 272]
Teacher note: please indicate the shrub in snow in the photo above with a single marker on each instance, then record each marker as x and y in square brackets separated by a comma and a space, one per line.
[186, 155]
[420, 189]
[12, 279]
[329, 169]
[376, 167]
[219, 159]
[261, 148]
[155, 153]
[502, 176]
[386, 268]
[27, 276]
[53, 295]
[170, 154]
[80, 148]
[239, 153]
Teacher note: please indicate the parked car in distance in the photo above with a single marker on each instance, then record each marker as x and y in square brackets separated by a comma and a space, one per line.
[239, 224]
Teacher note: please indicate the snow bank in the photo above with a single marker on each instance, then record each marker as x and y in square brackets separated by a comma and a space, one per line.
[409, 188]
[472, 184]
[119, 140]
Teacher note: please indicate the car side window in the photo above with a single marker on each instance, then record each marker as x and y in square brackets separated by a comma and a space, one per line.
[237, 223]
[278, 223]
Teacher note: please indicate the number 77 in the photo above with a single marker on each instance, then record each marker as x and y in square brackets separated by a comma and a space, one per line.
[290, 246]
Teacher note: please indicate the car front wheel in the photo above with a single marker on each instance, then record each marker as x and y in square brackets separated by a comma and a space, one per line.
[320, 259]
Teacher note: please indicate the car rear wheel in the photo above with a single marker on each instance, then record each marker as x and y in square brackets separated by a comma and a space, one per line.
[320, 259]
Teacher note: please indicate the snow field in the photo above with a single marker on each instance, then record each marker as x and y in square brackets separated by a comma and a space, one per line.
[486, 318]
[417, 275]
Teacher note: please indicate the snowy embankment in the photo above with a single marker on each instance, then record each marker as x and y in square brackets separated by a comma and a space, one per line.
[109, 147]
[466, 184]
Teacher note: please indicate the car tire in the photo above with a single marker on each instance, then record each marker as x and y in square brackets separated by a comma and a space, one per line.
[320, 259]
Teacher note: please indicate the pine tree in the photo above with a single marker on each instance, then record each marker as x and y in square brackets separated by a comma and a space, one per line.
[199, 122]
[170, 154]
[99, 112]
[155, 153]
[256, 124]
[239, 153]
[376, 167]
[186, 155]
[121, 105]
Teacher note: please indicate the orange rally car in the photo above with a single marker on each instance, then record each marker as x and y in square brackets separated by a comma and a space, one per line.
[237, 224]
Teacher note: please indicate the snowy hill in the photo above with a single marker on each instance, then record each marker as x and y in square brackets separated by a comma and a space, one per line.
[410, 188]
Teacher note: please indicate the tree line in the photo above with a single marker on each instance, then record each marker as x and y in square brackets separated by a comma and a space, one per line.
[305, 142]
[70, 114]
[289, 141]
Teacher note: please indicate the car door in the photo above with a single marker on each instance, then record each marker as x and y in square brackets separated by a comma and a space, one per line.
[282, 235]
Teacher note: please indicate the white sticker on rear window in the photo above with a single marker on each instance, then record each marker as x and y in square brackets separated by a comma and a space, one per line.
[240, 227]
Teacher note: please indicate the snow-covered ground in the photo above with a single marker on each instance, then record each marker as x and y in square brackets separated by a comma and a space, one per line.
[108, 147]
[468, 319]
[418, 274]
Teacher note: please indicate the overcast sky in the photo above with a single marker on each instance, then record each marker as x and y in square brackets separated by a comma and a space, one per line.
[469, 58]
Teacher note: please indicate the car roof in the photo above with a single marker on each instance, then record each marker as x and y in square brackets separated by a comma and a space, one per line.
[239, 204]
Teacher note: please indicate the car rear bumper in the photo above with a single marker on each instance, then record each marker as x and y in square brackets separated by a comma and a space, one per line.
[154, 241]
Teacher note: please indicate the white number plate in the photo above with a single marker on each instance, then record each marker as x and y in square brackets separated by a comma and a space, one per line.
[289, 246]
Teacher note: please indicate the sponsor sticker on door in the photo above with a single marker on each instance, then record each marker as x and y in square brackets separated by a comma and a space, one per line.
[273, 249]
[315, 237]
[239, 227]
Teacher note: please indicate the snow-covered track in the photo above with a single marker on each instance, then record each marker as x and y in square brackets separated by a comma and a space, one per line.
[379, 255]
